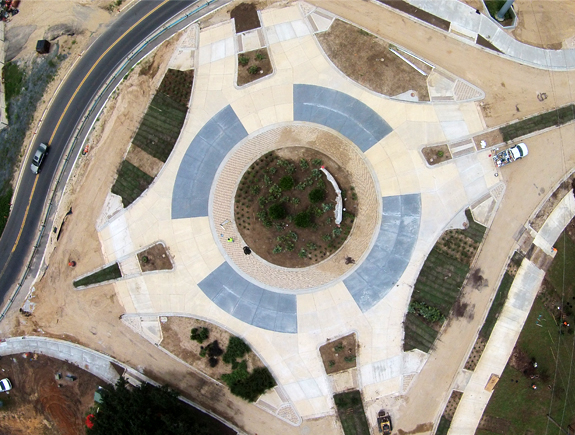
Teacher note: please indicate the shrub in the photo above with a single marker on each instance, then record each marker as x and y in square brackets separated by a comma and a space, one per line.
[427, 312]
[200, 334]
[316, 162]
[243, 60]
[302, 253]
[277, 249]
[237, 348]
[303, 164]
[317, 195]
[277, 211]
[439, 153]
[253, 69]
[249, 386]
[303, 219]
[260, 56]
[287, 183]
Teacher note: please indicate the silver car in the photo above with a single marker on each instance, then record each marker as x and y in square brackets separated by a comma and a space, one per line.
[39, 158]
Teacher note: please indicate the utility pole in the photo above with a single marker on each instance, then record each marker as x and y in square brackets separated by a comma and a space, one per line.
[499, 16]
[557, 424]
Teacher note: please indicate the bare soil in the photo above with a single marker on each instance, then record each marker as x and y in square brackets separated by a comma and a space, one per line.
[176, 340]
[246, 17]
[263, 65]
[157, 258]
[492, 138]
[432, 154]
[36, 404]
[358, 54]
[142, 160]
[335, 352]
[318, 241]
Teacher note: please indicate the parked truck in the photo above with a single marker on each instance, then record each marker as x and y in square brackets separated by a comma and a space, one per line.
[384, 422]
[509, 155]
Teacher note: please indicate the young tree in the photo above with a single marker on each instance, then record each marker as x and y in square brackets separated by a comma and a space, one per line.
[143, 410]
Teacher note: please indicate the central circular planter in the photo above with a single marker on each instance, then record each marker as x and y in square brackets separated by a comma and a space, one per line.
[285, 207]
[237, 218]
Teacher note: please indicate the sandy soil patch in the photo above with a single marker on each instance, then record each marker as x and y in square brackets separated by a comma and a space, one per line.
[176, 332]
[369, 61]
[36, 404]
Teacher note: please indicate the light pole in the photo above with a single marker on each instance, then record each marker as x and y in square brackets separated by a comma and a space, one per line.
[499, 16]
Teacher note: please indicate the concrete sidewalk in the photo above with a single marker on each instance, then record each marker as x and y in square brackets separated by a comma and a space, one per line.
[510, 323]
[464, 20]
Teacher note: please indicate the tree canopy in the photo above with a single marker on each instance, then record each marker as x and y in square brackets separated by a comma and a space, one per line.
[144, 410]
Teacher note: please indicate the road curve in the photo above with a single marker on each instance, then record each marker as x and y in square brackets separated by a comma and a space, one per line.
[76, 93]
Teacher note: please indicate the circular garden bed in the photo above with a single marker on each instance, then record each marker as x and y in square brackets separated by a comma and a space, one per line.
[285, 207]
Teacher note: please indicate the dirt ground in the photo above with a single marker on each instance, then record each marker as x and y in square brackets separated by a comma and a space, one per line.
[432, 154]
[36, 404]
[176, 340]
[369, 61]
[157, 258]
[334, 352]
[264, 66]
[246, 17]
[263, 240]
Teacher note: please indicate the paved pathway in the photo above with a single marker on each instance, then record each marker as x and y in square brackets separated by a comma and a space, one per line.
[464, 20]
[510, 323]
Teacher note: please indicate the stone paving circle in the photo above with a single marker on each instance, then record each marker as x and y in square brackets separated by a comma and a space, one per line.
[368, 214]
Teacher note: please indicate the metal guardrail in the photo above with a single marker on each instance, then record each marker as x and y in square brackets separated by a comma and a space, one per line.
[74, 144]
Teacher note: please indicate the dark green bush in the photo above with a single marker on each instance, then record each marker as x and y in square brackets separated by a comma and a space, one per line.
[237, 348]
[287, 183]
[317, 195]
[253, 69]
[200, 334]
[243, 60]
[303, 219]
[277, 211]
[249, 386]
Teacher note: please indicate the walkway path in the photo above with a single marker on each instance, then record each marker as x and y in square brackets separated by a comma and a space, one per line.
[507, 329]
[463, 18]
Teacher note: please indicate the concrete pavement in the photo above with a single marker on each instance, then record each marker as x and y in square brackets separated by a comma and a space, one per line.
[466, 25]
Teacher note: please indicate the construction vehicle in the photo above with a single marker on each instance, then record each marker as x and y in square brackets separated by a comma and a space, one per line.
[384, 422]
[509, 155]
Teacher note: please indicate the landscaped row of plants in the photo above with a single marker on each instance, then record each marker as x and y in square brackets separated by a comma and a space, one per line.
[439, 284]
[157, 134]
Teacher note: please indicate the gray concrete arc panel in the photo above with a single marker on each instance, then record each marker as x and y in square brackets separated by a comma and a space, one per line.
[250, 303]
[389, 257]
[341, 112]
[198, 168]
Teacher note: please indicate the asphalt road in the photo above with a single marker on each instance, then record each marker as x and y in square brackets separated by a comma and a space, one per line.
[65, 114]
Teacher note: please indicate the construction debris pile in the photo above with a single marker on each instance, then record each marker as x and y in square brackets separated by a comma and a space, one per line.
[9, 9]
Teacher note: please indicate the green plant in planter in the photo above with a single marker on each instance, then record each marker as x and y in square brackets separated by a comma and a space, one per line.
[260, 56]
[144, 259]
[277, 211]
[317, 195]
[253, 69]
[303, 219]
[440, 154]
[243, 60]
[287, 183]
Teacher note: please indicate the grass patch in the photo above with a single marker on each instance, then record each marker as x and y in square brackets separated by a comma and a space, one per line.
[107, 274]
[545, 120]
[496, 306]
[131, 182]
[5, 199]
[443, 427]
[351, 413]
[545, 340]
[13, 77]
[494, 6]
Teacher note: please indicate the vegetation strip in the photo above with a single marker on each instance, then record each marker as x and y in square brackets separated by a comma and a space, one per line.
[109, 273]
[351, 413]
[131, 182]
[556, 117]
[439, 284]
[496, 306]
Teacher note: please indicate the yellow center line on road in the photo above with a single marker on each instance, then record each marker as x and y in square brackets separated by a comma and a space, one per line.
[64, 113]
